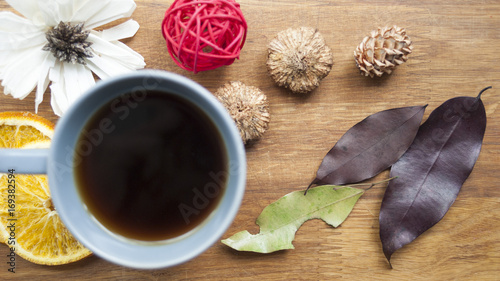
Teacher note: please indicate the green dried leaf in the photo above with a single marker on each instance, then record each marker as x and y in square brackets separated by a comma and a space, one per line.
[280, 220]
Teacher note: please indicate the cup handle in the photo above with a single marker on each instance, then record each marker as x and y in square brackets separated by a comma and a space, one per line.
[24, 161]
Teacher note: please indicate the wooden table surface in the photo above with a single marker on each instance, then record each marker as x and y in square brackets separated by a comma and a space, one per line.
[455, 54]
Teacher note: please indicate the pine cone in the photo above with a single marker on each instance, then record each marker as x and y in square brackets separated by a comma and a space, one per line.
[382, 51]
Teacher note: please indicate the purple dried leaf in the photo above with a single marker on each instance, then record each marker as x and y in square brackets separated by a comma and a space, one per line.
[370, 146]
[430, 174]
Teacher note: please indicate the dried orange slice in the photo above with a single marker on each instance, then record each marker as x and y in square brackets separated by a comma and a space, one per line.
[31, 225]
[20, 128]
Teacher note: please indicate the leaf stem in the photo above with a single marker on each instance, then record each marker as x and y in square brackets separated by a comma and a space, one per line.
[482, 91]
[315, 181]
[370, 185]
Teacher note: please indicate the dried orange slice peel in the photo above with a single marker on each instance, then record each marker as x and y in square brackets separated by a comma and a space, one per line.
[20, 128]
[40, 236]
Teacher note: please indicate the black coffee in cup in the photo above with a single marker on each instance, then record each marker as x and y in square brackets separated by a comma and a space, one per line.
[150, 167]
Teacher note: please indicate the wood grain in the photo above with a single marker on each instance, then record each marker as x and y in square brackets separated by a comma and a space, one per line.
[455, 53]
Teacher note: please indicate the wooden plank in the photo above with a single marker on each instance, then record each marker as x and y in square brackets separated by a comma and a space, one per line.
[455, 54]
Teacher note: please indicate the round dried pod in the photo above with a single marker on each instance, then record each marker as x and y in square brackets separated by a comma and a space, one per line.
[298, 59]
[248, 106]
[382, 51]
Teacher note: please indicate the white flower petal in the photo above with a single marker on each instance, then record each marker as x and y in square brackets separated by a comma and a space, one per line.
[69, 82]
[112, 58]
[43, 80]
[95, 66]
[137, 63]
[9, 57]
[93, 12]
[21, 76]
[54, 11]
[19, 33]
[77, 79]
[28, 8]
[116, 49]
[125, 30]
[86, 9]
[57, 95]
[53, 102]
[104, 11]
[106, 67]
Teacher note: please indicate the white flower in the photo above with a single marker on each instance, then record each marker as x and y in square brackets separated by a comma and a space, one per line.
[32, 54]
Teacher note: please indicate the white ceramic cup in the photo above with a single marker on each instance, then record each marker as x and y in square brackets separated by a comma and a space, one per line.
[57, 162]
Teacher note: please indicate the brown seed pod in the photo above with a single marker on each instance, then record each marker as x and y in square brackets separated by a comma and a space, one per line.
[69, 43]
[382, 51]
[248, 106]
[298, 59]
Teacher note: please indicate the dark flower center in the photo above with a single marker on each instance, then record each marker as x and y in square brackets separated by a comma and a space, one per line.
[68, 43]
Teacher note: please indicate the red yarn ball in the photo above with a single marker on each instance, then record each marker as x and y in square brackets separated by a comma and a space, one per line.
[204, 34]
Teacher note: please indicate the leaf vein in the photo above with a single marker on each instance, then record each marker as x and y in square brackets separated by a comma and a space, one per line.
[307, 215]
[431, 167]
[381, 140]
